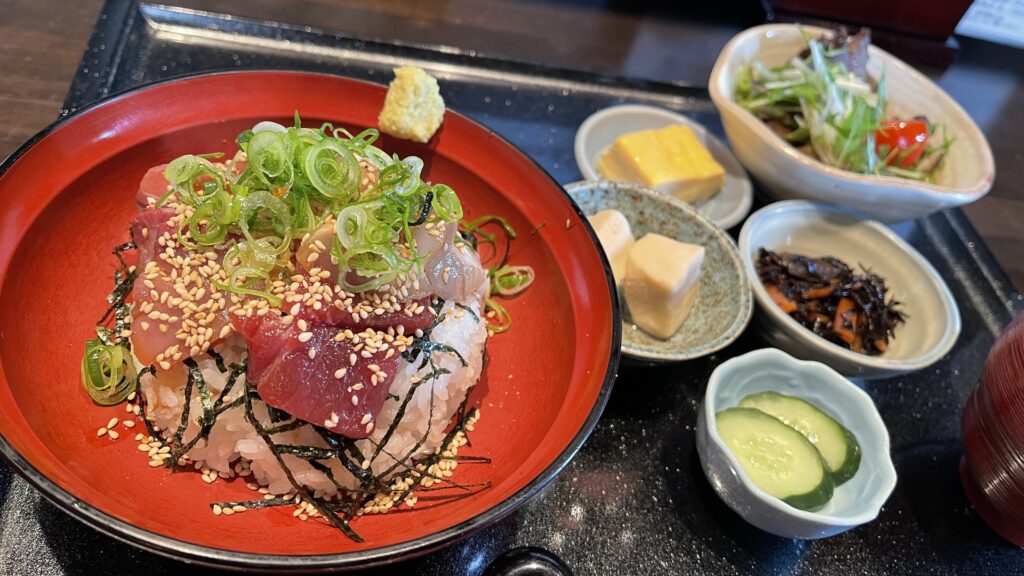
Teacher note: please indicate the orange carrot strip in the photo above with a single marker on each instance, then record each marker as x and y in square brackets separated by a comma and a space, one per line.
[819, 293]
[845, 314]
[787, 305]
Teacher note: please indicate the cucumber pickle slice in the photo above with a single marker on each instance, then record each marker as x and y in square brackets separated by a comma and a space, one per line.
[777, 458]
[838, 446]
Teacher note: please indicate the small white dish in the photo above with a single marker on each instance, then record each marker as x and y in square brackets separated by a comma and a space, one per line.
[967, 173]
[854, 502]
[812, 229]
[596, 134]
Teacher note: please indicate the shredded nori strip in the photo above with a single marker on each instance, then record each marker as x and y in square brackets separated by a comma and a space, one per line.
[412, 352]
[469, 238]
[124, 281]
[350, 500]
[277, 415]
[431, 346]
[430, 420]
[287, 426]
[427, 202]
[254, 504]
[460, 426]
[306, 452]
[186, 408]
[218, 360]
[475, 316]
[319, 503]
[143, 403]
[210, 409]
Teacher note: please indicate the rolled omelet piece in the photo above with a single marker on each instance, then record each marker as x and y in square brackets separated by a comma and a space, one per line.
[413, 108]
[662, 282]
[671, 160]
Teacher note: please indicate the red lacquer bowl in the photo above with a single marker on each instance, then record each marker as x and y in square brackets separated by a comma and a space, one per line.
[66, 198]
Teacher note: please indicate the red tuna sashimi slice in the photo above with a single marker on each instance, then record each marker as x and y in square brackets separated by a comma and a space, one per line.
[154, 184]
[365, 313]
[177, 312]
[318, 299]
[147, 228]
[153, 187]
[316, 375]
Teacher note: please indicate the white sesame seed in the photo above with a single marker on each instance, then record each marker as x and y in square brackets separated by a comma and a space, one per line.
[305, 337]
[128, 424]
[339, 373]
[217, 510]
[369, 427]
[366, 418]
[311, 353]
[355, 400]
[101, 432]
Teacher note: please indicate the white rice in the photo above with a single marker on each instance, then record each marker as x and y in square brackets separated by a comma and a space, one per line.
[233, 438]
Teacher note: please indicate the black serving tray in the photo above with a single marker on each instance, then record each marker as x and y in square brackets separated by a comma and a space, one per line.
[634, 500]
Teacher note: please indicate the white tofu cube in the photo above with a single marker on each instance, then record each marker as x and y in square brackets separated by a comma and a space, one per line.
[616, 238]
[661, 283]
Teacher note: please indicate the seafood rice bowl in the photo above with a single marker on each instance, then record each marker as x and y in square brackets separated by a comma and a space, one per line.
[307, 315]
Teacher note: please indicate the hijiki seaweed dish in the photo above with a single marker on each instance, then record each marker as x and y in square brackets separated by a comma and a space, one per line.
[308, 314]
[828, 298]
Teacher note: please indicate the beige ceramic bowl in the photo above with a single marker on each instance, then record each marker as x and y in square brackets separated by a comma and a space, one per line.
[799, 227]
[966, 175]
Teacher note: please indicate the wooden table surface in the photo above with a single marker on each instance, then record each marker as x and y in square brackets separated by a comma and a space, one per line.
[41, 43]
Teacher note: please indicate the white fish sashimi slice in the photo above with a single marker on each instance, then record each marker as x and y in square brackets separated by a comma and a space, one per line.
[451, 270]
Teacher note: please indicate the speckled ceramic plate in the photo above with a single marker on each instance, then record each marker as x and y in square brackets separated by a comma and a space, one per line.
[725, 304]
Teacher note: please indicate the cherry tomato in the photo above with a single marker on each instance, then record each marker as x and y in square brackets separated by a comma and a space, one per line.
[908, 137]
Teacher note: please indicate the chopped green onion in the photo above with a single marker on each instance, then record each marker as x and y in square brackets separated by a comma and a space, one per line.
[333, 170]
[511, 280]
[108, 372]
[294, 180]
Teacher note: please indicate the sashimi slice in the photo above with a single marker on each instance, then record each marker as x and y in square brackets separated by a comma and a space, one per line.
[153, 187]
[177, 311]
[322, 374]
[451, 270]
